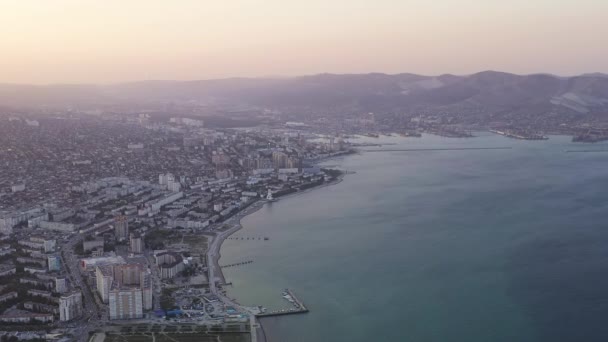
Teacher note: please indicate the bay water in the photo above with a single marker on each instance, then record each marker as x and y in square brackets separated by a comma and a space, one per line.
[469, 245]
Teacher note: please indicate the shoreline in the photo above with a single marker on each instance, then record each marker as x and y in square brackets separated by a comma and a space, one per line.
[222, 236]
[248, 211]
[259, 204]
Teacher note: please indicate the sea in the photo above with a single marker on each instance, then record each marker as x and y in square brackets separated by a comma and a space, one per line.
[437, 245]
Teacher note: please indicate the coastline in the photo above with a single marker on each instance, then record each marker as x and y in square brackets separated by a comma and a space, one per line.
[252, 209]
[221, 237]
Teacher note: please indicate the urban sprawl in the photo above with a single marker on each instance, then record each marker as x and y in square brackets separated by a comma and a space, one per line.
[113, 225]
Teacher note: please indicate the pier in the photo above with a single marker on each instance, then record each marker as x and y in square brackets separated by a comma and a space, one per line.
[265, 238]
[520, 134]
[371, 144]
[238, 264]
[584, 151]
[439, 149]
[302, 308]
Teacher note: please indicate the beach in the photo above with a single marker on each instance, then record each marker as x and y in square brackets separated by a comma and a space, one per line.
[476, 242]
[234, 225]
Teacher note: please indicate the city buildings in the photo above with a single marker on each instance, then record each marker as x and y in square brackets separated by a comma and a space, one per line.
[164, 189]
[7, 270]
[169, 182]
[27, 318]
[70, 306]
[8, 296]
[40, 307]
[54, 262]
[125, 303]
[147, 289]
[121, 227]
[169, 263]
[104, 277]
[40, 243]
[136, 244]
[61, 285]
[89, 245]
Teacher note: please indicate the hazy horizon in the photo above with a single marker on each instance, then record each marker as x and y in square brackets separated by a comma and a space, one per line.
[100, 42]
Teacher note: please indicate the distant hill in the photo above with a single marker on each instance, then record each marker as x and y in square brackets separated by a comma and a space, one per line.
[491, 91]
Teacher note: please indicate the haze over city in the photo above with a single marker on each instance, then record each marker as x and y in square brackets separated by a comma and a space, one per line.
[303, 171]
[100, 41]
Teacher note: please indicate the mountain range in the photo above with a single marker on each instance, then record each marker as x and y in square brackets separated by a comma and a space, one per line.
[489, 91]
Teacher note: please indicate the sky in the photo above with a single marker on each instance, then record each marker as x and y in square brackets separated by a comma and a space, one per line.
[109, 41]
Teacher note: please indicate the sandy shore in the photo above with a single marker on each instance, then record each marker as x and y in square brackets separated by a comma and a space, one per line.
[237, 226]
[261, 333]
[252, 209]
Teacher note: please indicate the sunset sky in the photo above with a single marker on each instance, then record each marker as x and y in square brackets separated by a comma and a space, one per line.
[101, 41]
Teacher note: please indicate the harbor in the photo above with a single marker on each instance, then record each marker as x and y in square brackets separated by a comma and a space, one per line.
[440, 149]
[265, 238]
[298, 308]
[520, 134]
[237, 264]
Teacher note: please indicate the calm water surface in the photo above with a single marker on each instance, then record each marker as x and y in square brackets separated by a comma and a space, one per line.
[494, 245]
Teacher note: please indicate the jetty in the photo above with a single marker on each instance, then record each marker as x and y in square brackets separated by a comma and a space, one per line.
[238, 264]
[440, 149]
[520, 134]
[292, 311]
[265, 238]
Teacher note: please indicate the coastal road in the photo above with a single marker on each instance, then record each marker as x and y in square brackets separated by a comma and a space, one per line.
[215, 272]
[213, 255]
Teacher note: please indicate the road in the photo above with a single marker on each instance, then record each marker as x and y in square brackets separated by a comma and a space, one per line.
[92, 317]
[155, 280]
[213, 269]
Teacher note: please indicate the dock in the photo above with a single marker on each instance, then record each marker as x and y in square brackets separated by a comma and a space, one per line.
[237, 264]
[440, 149]
[520, 134]
[291, 311]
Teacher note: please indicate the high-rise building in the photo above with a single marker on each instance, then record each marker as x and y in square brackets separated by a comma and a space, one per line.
[70, 306]
[104, 278]
[279, 159]
[174, 185]
[128, 274]
[264, 163]
[169, 263]
[61, 285]
[54, 262]
[126, 287]
[293, 163]
[136, 244]
[126, 303]
[121, 227]
[162, 179]
[146, 288]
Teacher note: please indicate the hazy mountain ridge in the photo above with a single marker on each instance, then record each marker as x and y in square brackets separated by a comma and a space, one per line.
[491, 90]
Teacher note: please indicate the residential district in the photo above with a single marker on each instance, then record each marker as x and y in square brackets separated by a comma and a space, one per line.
[112, 226]
[111, 223]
